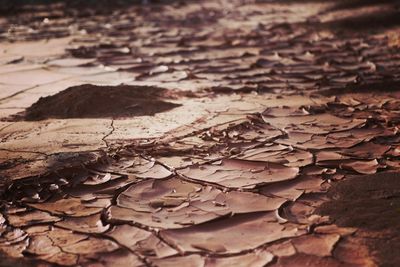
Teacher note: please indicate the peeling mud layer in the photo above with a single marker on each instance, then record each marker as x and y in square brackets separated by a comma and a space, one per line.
[277, 106]
[372, 203]
[91, 101]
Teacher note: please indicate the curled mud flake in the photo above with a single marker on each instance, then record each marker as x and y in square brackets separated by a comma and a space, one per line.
[155, 247]
[166, 219]
[227, 139]
[166, 204]
[156, 172]
[179, 162]
[282, 249]
[13, 235]
[292, 190]
[174, 203]
[105, 190]
[285, 112]
[338, 159]
[326, 156]
[13, 242]
[62, 238]
[347, 100]
[84, 224]
[141, 241]
[258, 258]
[37, 229]
[98, 178]
[48, 245]
[14, 250]
[226, 236]
[265, 151]
[246, 202]
[362, 167]
[53, 179]
[128, 235]
[295, 138]
[298, 158]
[393, 164]
[31, 218]
[67, 161]
[344, 139]
[158, 69]
[334, 229]
[358, 135]
[314, 124]
[2, 223]
[314, 142]
[283, 155]
[316, 170]
[91, 101]
[330, 159]
[74, 207]
[138, 166]
[394, 151]
[317, 245]
[41, 245]
[300, 212]
[236, 173]
[366, 151]
[252, 132]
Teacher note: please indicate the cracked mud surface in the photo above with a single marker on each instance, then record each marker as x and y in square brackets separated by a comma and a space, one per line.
[229, 133]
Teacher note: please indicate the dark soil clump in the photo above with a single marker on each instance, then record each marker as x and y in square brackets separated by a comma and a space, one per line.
[365, 87]
[91, 101]
[371, 203]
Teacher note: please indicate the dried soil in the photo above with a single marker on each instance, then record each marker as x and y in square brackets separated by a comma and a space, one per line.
[371, 203]
[91, 101]
[233, 182]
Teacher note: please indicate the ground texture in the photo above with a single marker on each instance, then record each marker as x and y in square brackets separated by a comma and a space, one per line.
[200, 133]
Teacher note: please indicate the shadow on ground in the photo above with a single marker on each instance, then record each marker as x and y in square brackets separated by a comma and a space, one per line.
[11, 7]
[385, 14]
[374, 21]
[372, 203]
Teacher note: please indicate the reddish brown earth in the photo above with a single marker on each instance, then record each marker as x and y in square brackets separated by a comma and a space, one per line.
[370, 203]
[90, 101]
[200, 133]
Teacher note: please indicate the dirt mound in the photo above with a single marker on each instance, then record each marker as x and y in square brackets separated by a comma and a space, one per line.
[364, 87]
[91, 101]
[372, 203]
